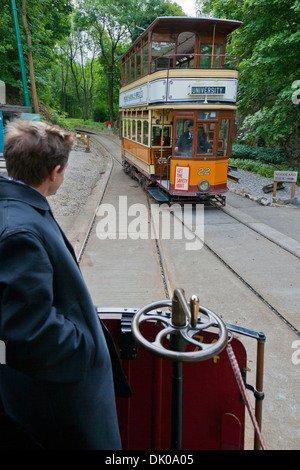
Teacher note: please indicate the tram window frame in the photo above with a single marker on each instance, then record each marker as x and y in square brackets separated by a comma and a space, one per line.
[225, 151]
[139, 131]
[194, 116]
[127, 70]
[187, 119]
[163, 59]
[136, 128]
[213, 57]
[132, 66]
[138, 61]
[209, 139]
[169, 127]
[186, 59]
[128, 129]
[145, 57]
[145, 140]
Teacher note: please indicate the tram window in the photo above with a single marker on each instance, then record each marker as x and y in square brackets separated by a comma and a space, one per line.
[160, 57]
[161, 136]
[138, 63]
[218, 48]
[132, 60]
[133, 130]
[210, 59]
[223, 137]
[184, 137]
[127, 71]
[145, 132]
[206, 51]
[145, 59]
[185, 50]
[139, 131]
[205, 137]
[129, 129]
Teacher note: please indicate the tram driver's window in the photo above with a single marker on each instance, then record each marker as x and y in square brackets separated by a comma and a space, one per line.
[223, 137]
[184, 137]
[205, 137]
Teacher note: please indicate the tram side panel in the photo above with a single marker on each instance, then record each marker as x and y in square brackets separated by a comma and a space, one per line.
[213, 409]
[212, 171]
[157, 165]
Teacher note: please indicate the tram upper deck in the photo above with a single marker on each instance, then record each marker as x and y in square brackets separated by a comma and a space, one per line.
[180, 61]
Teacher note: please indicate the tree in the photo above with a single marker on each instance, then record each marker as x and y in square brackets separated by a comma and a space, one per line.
[268, 45]
[139, 14]
[30, 58]
[112, 24]
[99, 18]
[46, 22]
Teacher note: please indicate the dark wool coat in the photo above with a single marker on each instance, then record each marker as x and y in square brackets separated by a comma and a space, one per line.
[57, 382]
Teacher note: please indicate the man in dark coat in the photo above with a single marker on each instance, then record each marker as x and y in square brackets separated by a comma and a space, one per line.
[57, 382]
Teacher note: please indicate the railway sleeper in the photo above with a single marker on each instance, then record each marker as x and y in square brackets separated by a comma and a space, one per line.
[269, 187]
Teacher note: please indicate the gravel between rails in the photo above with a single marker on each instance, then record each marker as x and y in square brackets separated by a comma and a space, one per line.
[82, 175]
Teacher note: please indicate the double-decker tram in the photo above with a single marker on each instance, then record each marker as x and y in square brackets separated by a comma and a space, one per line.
[177, 105]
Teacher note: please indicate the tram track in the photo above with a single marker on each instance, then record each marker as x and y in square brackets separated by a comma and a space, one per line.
[244, 282]
[118, 161]
[240, 308]
[103, 143]
[258, 232]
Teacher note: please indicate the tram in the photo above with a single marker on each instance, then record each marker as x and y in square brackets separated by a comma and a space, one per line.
[177, 105]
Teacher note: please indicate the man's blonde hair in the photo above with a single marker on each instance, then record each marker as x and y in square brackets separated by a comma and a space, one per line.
[33, 148]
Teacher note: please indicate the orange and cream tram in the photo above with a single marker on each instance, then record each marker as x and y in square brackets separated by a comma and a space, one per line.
[177, 78]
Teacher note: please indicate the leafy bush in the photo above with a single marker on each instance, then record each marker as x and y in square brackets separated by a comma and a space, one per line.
[260, 168]
[261, 154]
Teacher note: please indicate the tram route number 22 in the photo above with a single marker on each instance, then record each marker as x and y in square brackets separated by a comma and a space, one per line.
[204, 171]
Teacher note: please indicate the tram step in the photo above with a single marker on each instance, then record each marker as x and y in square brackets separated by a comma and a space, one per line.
[158, 194]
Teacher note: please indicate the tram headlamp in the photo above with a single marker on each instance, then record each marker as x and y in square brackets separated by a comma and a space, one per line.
[203, 185]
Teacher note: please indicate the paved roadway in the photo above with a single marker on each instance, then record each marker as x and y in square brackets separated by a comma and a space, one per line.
[125, 273]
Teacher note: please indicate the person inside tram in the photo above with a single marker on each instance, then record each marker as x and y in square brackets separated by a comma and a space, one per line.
[202, 144]
[184, 144]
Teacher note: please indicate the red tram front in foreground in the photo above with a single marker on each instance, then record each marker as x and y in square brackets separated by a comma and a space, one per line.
[177, 104]
[187, 372]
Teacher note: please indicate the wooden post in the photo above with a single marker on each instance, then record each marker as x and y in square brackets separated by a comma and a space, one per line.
[274, 188]
[293, 190]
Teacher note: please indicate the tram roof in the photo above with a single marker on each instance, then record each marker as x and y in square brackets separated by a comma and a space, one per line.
[187, 23]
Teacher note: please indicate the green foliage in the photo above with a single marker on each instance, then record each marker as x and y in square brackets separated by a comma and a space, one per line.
[48, 21]
[262, 169]
[139, 14]
[89, 125]
[262, 154]
[268, 45]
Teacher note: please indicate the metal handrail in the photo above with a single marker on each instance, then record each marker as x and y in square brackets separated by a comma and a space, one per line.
[221, 62]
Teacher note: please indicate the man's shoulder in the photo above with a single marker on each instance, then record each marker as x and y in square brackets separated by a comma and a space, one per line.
[11, 190]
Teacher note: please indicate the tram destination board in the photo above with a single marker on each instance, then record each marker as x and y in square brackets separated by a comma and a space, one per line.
[208, 90]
